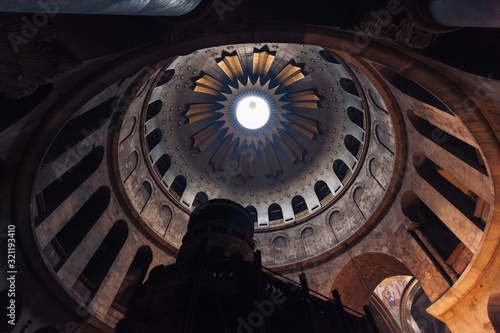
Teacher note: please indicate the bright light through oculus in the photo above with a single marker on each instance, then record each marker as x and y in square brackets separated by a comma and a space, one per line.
[252, 112]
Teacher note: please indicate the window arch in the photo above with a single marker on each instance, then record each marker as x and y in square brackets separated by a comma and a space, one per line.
[323, 192]
[97, 268]
[328, 56]
[71, 235]
[356, 116]
[349, 86]
[451, 189]
[253, 213]
[178, 186]
[128, 127]
[153, 109]
[342, 171]
[148, 191]
[79, 128]
[200, 199]
[130, 165]
[154, 138]
[353, 146]
[440, 235]
[134, 277]
[384, 138]
[162, 165]
[60, 189]
[411, 88]
[299, 206]
[308, 241]
[166, 77]
[453, 145]
[274, 212]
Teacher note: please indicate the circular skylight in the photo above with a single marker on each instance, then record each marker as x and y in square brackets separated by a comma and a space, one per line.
[252, 112]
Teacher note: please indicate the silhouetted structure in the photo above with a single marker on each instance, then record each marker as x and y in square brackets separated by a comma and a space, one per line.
[218, 285]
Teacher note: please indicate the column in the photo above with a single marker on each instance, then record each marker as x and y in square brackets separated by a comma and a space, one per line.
[433, 251]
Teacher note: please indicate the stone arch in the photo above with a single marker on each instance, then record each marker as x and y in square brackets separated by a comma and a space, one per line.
[199, 199]
[129, 129]
[374, 169]
[456, 193]
[299, 206]
[349, 86]
[384, 138]
[323, 192]
[448, 142]
[153, 109]
[341, 170]
[54, 194]
[74, 231]
[135, 276]
[275, 212]
[253, 212]
[356, 116]
[162, 165]
[79, 128]
[153, 138]
[440, 235]
[307, 238]
[166, 217]
[165, 77]
[359, 200]
[130, 165]
[411, 88]
[359, 277]
[146, 191]
[97, 268]
[352, 145]
[178, 187]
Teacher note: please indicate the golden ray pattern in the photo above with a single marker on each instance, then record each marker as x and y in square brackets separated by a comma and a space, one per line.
[248, 146]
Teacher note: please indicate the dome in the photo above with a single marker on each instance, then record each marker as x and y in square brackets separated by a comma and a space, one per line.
[358, 155]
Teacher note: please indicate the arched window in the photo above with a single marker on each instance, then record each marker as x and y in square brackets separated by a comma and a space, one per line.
[166, 77]
[454, 146]
[323, 191]
[130, 165]
[60, 189]
[79, 128]
[299, 206]
[328, 56]
[253, 213]
[341, 170]
[162, 165]
[154, 138]
[134, 277]
[411, 88]
[178, 186]
[70, 236]
[440, 235]
[200, 199]
[146, 193]
[450, 188]
[275, 213]
[349, 86]
[356, 116]
[93, 274]
[353, 146]
[153, 109]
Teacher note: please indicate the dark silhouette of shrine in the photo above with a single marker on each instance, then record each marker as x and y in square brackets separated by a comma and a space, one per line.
[218, 284]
